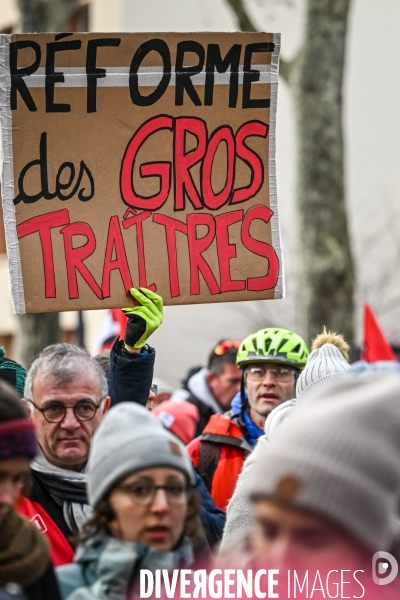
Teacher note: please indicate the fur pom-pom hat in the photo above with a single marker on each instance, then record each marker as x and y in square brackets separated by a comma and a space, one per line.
[328, 360]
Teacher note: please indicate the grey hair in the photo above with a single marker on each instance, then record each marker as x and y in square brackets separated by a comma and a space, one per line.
[62, 362]
[103, 359]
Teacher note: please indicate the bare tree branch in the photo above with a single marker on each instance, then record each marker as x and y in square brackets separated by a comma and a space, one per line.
[244, 21]
[246, 24]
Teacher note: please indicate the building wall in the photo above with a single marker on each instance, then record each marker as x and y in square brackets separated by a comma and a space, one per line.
[9, 14]
[372, 131]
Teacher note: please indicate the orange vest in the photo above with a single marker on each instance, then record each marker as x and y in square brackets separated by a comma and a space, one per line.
[233, 450]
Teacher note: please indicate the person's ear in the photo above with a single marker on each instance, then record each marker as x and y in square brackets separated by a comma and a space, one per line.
[107, 403]
[28, 407]
[210, 377]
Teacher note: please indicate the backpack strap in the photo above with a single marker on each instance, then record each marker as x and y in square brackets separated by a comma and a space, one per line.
[208, 461]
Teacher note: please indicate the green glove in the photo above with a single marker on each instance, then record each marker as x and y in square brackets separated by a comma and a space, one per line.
[143, 318]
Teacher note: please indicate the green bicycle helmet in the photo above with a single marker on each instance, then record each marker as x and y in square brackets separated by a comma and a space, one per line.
[273, 345]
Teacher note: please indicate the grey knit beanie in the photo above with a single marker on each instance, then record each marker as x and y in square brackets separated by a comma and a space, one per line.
[129, 439]
[323, 364]
[340, 457]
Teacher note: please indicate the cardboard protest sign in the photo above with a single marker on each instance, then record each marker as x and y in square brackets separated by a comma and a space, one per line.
[139, 160]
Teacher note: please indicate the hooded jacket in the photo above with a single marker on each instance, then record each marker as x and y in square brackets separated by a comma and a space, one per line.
[198, 386]
[200, 395]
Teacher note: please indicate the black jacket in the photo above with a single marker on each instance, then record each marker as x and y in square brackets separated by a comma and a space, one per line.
[212, 517]
[46, 588]
[4, 595]
[39, 493]
[130, 375]
[205, 413]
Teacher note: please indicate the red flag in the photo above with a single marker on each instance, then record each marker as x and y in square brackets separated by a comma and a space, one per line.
[375, 345]
[112, 326]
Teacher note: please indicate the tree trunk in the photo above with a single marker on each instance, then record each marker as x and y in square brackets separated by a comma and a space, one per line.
[36, 331]
[46, 15]
[316, 80]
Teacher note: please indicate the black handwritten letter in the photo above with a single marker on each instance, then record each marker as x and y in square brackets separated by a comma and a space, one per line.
[250, 75]
[184, 74]
[93, 73]
[155, 45]
[17, 75]
[215, 61]
[52, 77]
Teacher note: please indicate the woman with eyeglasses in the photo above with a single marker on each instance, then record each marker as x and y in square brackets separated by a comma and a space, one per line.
[140, 485]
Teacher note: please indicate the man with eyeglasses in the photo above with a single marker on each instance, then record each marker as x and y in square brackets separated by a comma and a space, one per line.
[271, 360]
[68, 394]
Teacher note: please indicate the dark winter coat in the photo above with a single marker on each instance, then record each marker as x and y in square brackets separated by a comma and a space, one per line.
[46, 588]
[130, 374]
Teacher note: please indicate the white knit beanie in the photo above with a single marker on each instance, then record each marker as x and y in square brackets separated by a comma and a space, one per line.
[129, 439]
[323, 364]
[340, 458]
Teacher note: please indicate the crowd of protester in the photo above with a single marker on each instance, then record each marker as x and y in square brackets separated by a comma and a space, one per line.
[267, 458]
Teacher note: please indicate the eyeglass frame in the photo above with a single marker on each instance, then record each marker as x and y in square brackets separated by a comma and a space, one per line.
[127, 489]
[271, 370]
[42, 410]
